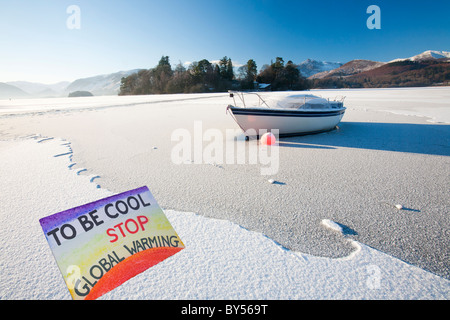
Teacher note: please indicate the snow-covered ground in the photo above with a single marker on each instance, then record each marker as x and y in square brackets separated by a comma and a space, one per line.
[430, 102]
[410, 101]
[38, 106]
[222, 260]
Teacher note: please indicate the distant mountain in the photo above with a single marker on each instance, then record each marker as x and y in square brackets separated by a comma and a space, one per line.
[399, 73]
[8, 91]
[406, 73]
[427, 55]
[358, 66]
[430, 67]
[40, 90]
[106, 84]
[348, 69]
[311, 67]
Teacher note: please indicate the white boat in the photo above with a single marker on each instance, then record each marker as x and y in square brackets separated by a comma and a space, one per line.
[293, 115]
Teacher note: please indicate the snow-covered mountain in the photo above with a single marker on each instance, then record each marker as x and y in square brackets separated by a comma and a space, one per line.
[38, 90]
[350, 68]
[311, 67]
[106, 84]
[109, 84]
[358, 66]
[427, 55]
[8, 91]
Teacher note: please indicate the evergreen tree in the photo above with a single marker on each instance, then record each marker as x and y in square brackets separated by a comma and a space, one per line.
[247, 75]
[162, 74]
[223, 67]
[278, 65]
[229, 72]
[290, 76]
[226, 68]
[251, 70]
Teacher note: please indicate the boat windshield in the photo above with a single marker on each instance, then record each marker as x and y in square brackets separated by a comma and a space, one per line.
[304, 101]
[307, 102]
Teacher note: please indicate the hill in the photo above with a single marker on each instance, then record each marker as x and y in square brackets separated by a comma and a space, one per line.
[80, 94]
[427, 55]
[350, 68]
[8, 91]
[41, 90]
[311, 67]
[405, 73]
[106, 84]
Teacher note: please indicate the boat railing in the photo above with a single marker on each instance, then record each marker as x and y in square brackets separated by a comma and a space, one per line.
[241, 94]
[339, 98]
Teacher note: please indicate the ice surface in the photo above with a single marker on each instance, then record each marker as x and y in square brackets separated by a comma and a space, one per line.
[221, 261]
[346, 173]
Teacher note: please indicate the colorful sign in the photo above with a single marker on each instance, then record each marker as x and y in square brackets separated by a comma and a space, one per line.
[100, 245]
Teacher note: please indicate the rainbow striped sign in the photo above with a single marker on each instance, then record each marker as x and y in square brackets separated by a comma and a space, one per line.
[100, 245]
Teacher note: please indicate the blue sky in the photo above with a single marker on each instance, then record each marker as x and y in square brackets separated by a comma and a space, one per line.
[36, 45]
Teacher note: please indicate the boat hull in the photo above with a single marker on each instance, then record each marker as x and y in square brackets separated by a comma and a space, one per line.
[288, 122]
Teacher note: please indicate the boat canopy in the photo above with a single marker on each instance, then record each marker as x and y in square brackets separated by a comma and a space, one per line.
[303, 101]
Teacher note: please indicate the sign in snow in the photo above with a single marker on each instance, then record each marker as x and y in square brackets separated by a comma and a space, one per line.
[100, 245]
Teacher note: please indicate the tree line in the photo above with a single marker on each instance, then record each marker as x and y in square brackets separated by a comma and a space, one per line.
[204, 76]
